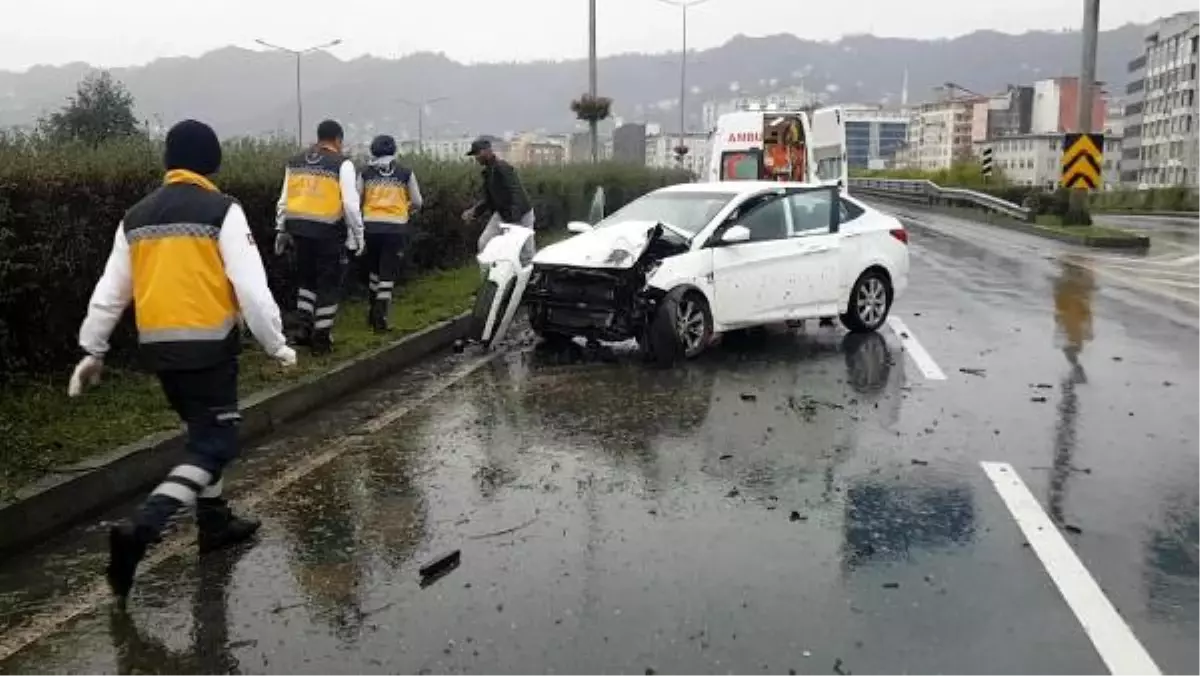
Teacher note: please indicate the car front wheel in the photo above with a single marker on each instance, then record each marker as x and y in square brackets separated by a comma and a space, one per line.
[682, 327]
[870, 302]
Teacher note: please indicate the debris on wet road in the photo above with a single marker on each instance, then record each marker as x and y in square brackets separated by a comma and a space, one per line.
[542, 511]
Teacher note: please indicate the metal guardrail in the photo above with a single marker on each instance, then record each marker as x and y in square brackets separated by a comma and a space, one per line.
[928, 192]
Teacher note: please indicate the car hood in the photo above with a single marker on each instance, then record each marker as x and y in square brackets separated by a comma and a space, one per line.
[613, 247]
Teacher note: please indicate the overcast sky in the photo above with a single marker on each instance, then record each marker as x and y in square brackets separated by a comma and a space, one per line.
[60, 31]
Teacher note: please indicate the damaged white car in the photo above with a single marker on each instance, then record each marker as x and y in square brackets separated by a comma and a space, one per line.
[686, 263]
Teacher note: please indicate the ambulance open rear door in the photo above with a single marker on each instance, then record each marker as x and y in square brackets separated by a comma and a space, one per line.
[828, 142]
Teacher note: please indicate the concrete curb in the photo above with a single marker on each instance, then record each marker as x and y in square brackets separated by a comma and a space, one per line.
[1131, 243]
[78, 491]
[1150, 214]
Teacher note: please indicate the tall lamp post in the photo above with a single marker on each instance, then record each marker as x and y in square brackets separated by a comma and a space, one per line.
[420, 106]
[684, 6]
[593, 127]
[299, 99]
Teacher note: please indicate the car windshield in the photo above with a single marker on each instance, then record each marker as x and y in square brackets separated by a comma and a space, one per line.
[687, 211]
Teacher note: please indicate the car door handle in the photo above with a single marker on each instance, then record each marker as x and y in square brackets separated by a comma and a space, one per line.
[815, 248]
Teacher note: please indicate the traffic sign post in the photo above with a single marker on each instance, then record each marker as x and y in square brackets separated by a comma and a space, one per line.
[985, 162]
[1082, 158]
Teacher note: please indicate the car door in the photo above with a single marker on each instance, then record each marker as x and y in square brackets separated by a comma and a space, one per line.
[749, 277]
[815, 244]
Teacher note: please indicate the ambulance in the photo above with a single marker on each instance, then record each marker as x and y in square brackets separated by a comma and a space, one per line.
[765, 144]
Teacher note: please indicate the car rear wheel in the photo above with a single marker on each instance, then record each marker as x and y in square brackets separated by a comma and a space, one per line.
[870, 302]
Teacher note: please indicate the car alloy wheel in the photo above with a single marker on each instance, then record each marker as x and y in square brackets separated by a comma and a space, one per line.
[871, 301]
[691, 325]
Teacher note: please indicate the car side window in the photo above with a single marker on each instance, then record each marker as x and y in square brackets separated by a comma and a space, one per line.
[766, 219]
[810, 212]
[848, 211]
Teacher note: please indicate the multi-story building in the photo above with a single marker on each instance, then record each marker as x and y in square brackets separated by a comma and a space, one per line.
[873, 136]
[1036, 159]
[1056, 106]
[629, 144]
[534, 150]
[939, 133]
[1006, 114]
[660, 152]
[1160, 143]
[444, 149]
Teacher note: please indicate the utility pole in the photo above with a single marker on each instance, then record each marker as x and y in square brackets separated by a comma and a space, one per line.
[594, 127]
[420, 106]
[1079, 207]
[299, 98]
[684, 6]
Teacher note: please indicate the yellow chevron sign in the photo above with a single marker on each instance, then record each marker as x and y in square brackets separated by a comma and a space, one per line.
[1083, 155]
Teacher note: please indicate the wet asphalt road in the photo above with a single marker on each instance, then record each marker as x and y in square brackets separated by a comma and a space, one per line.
[801, 501]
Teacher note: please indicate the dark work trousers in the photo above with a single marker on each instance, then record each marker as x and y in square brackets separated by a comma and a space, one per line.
[207, 401]
[385, 252]
[319, 263]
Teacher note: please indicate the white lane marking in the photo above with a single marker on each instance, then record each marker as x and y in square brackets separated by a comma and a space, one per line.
[46, 622]
[1186, 260]
[915, 350]
[1112, 638]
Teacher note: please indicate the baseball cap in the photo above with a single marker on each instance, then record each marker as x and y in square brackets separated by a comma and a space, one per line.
[478, 145]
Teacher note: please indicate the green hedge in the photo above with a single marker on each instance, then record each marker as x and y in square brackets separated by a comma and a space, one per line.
[59, 207]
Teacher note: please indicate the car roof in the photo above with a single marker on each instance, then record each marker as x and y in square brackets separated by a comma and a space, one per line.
[735, 188]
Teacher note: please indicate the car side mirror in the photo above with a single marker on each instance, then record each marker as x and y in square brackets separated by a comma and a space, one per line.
[736, 234]
[579, 227]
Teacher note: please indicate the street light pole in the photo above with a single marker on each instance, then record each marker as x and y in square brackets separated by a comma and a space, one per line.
[684, 6]
[420, 106]
[299, 98]
[593, 127]
[1087, 77]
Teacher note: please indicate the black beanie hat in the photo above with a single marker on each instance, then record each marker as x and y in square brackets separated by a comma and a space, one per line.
[383, 146]
[193, 146]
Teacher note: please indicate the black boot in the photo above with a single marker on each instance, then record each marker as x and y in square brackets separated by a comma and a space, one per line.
[373, 314]
[382, 309]
[218, 527]
[127, 545]
[322, 342]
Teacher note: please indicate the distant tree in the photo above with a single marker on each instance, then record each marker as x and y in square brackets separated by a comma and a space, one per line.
[101, 109]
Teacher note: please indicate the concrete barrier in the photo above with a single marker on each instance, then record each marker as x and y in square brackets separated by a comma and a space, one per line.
[100, 482]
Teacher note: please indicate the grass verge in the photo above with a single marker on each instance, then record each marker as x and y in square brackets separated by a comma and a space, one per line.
[43, 429]
[1054, 224]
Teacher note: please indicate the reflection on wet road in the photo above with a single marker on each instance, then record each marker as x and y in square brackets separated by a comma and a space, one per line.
[795, 501]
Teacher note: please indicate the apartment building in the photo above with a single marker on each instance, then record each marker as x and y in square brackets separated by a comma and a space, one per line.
[939, 133]
[660, 152]
[1160, 144]
[629, 143]
[532, 150]
[1056, 106]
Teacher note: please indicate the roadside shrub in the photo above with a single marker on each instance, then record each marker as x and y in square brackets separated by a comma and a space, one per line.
[60, 206]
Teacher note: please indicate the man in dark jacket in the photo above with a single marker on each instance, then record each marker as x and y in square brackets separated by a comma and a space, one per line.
[503, 194]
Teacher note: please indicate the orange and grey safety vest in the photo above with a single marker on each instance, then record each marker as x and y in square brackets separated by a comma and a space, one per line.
[314, 194]
[185, 306]
[386, 200]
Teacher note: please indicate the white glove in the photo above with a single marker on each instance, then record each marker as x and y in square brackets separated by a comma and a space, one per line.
[286, 356]
[87, 372]
[283, 242]
[355, 243]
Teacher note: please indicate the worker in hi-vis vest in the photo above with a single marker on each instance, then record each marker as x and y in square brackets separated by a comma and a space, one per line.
[390, 196]
[318, 213]
[185, 257]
